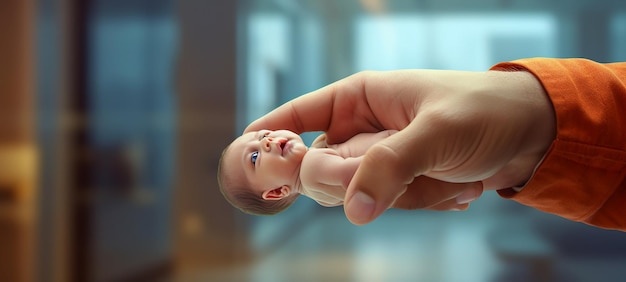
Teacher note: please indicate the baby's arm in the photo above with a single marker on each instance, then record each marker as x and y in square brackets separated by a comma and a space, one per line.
[325, 175]
[327, 169]
[355, 146]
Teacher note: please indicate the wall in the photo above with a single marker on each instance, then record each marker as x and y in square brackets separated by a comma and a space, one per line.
[18, 166]
[209, 230]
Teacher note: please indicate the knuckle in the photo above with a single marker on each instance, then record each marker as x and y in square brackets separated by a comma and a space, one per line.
[389, 162]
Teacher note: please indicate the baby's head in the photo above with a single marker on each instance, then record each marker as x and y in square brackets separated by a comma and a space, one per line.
[259, 171]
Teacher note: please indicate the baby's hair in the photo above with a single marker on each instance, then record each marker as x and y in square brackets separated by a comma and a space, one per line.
[245, 200]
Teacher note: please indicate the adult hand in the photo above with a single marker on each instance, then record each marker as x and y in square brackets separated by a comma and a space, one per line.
[456, 128]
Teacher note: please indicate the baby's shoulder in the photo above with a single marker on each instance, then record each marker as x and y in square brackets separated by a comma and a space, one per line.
[315, 154]
[315, 158]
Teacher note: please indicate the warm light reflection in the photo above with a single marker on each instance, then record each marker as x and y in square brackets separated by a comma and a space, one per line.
[374, 6]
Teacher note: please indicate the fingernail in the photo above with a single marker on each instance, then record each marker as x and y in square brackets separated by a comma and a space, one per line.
[360, 208]
[466, 197]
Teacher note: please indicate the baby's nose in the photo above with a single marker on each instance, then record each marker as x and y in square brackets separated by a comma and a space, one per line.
[267, 143]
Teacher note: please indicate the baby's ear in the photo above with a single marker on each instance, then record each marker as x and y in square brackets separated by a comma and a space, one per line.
[276, 193]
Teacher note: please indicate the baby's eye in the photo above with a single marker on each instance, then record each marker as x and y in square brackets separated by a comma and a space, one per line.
[253, 157]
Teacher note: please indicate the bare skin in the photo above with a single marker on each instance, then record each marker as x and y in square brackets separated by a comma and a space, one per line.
[277, 164]
[326, 170]
[459, 133]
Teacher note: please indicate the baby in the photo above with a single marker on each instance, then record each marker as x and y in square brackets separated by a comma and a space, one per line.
[263, 172]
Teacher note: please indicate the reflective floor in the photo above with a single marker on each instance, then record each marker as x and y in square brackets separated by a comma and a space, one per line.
[424, 246]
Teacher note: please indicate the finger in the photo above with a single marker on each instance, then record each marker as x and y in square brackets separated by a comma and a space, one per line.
[449, 205]
[390, 165]
[340, 109]
[383, 176]
[309, 112]
[471, 194]
[426, 193]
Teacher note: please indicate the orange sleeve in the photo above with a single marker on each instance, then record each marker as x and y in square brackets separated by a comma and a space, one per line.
[583, 175]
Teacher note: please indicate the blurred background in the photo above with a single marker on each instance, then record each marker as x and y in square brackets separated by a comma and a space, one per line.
[114, 113]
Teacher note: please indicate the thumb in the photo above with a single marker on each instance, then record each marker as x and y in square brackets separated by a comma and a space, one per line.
[383, 175]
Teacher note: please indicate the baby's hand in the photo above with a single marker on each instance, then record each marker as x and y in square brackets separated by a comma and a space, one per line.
[320, 141]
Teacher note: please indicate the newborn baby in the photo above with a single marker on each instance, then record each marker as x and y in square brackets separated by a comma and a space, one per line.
[263, 172]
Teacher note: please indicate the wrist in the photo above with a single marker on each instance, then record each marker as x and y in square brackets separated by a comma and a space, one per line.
[531, 119]
[540, 130]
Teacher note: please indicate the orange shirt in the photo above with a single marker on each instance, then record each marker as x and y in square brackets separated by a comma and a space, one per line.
[583, 175]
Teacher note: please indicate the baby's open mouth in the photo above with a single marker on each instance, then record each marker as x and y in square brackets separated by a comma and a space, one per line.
[282, 144]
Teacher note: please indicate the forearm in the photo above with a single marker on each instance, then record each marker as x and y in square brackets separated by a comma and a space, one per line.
[583, 174]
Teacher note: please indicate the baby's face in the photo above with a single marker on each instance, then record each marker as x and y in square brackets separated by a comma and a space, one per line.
[268, 159]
